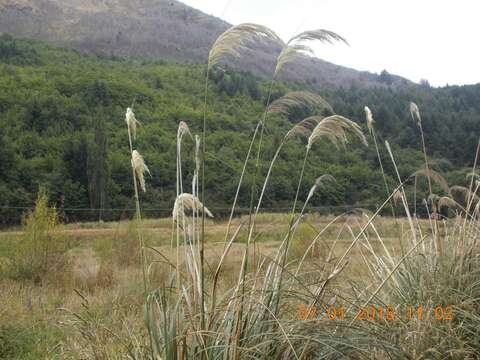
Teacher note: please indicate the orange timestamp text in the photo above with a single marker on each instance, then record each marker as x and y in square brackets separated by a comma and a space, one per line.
[373, 312]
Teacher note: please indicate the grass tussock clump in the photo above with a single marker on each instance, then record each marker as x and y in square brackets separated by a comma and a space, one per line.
[446, 287]
[26, 340]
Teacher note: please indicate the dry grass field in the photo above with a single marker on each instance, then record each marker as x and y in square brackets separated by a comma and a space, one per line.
[90, 304]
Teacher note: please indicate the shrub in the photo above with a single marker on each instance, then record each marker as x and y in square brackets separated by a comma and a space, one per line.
[41, 251]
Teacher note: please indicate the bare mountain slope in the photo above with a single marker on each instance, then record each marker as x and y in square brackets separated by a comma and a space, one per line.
[153, 29]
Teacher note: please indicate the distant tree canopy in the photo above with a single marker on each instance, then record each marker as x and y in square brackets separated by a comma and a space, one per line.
[424, 83]
[62, 126]
[385, 77]
[16, 52]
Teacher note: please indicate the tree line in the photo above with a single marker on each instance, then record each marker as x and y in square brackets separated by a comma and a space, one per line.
[62, 128]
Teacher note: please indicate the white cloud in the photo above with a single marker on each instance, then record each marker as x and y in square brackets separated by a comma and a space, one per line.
[432, 39]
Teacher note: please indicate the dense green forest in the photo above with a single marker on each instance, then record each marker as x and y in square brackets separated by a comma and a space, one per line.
[62, 127]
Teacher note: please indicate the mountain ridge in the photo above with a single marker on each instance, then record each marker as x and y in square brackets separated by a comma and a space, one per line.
[159, 29]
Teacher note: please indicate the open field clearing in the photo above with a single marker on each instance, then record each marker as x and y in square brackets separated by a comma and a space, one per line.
[91, 305]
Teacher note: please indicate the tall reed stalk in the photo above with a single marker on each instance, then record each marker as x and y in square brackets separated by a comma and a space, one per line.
[371, 129]
[202, 237]
[181, 132]
[138, 166]
[333, 128]
[293, 50]
[286, 105]
[415, 113]
[229, 43]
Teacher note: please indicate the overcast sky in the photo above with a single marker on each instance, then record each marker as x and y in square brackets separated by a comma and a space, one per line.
[437, 40]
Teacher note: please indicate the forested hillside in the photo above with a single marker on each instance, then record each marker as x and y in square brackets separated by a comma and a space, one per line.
[62, 126]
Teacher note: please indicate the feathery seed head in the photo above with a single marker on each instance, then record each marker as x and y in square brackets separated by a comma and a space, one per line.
[473, 174]
[187, 201]
[397, 196]
[369, 117]
[132, 122]
[446, 201]
[239, 38]
[303, 128]
[389, 149]
[335, 129]
[464, 192]
[299, 100]
[296, 48]
[140, 168]
[319, 182]
[322, 35]
[435, 176]
[415, 113]
[433, 198]
[194, 182]
[182, 130]
[197, 151]
[291, 54]
[324, 179]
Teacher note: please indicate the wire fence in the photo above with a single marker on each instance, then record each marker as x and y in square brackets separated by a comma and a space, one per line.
[13, 214]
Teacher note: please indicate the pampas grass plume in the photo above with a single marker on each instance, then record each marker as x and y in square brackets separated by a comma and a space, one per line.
[132, 122]
[415, 112]
[188, 201]
[198, 142]
[319, 182]
[237, 38]
[435, 176]
[446, 201]
[335, 129]
[303, 128]
[295, 100]
[183, 130]
[369, 117]
[296, 48]
[140, 168]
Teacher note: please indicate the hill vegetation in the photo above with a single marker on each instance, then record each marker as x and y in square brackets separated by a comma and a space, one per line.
[62, 127]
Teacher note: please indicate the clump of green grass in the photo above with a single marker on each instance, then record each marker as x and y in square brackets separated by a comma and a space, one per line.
[26, 340]
[15, 341]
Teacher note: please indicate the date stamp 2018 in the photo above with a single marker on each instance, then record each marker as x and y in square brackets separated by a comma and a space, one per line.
[376, 313]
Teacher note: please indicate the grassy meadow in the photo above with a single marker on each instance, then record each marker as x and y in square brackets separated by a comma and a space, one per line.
[103, 271]
[91, 305]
